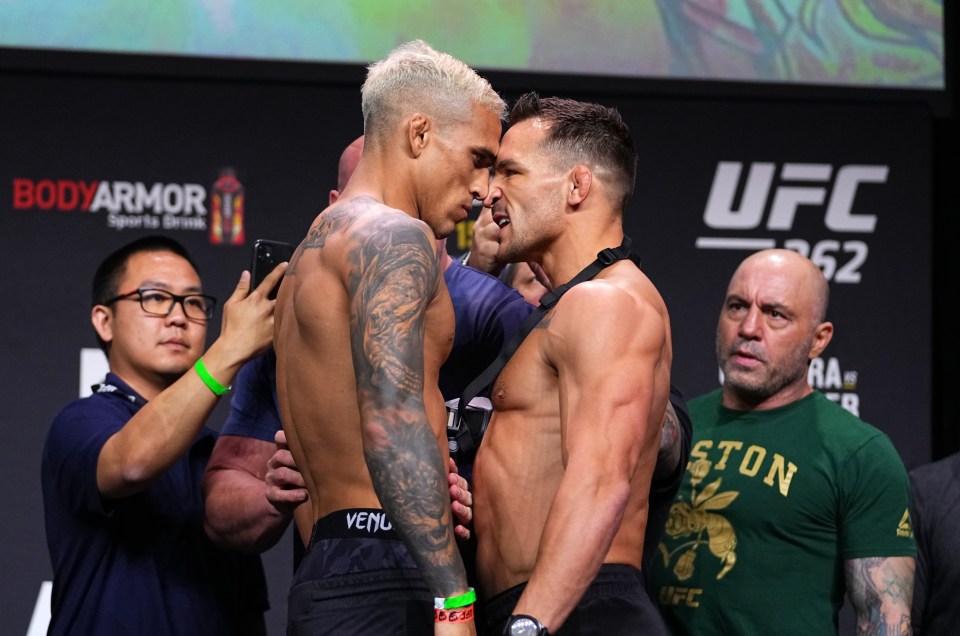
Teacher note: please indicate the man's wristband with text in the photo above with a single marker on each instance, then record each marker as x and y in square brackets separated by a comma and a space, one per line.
[459, 615]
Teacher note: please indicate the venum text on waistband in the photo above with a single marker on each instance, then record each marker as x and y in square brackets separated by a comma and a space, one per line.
[368, 521]
[356, 523]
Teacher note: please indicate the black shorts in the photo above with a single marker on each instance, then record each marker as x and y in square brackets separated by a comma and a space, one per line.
[615, 604]
[357, 577]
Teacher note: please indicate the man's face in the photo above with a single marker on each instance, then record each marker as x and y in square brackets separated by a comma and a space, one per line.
[765, 334]
[459, 170]
[152, 346]
[525, 281]
[526, 194]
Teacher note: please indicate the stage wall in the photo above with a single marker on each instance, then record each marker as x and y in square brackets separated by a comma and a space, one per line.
[89, 163]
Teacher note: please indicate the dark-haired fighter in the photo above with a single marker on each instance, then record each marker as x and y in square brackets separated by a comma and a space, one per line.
[562, 479]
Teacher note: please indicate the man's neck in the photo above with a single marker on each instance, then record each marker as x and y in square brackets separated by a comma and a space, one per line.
[147, 386]
[738, 402]
[445, 258]
[574, 251]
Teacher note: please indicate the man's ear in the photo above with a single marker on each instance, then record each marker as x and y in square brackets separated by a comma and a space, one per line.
[579, 183]
[101, 317]
[418, 127]
[822, 336]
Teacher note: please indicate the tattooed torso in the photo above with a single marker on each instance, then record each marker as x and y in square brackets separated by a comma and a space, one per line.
[363, 324]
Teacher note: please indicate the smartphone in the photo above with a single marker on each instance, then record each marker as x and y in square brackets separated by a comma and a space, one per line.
[268, 254]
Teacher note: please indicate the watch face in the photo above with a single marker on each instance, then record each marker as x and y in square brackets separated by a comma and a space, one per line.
[524, 626]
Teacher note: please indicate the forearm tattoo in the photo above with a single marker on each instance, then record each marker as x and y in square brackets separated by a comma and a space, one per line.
[881, 589]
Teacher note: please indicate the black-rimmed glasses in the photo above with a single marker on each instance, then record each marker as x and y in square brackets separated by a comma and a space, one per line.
[160, 302]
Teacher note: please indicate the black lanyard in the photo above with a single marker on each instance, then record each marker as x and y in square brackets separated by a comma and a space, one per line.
[469, 431]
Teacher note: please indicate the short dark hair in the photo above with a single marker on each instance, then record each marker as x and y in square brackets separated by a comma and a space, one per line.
[106, 280]
[587, 133]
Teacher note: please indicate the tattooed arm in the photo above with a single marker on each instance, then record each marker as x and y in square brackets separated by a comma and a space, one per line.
[671, 440]
[881, 590]
[393, 277]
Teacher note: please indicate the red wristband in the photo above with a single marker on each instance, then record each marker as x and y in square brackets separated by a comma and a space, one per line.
[459, 615]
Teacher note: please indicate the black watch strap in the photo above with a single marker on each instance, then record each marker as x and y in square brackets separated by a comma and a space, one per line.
[524, 625]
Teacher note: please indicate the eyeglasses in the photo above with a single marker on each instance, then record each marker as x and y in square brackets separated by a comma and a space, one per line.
[160, 302]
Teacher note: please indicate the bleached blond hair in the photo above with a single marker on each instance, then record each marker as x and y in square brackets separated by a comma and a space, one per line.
[415, 77]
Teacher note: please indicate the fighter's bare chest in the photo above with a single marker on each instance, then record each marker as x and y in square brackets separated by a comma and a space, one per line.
[528, 381]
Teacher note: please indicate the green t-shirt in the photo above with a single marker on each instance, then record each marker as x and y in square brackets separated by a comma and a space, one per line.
[772, 505]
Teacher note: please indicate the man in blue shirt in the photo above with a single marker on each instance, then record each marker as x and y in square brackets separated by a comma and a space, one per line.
[122, 469]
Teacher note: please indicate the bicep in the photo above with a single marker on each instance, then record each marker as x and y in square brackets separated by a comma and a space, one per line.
[392, 277]
[608, 375]
[881, 590]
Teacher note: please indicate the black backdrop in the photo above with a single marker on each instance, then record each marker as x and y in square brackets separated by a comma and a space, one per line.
[864, 168]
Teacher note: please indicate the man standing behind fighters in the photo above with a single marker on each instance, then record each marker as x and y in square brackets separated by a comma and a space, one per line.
[363, 323]
[788, 500]
[563, 475]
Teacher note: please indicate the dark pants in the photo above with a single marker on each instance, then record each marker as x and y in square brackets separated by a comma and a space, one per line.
[357, 582]
[615, 604]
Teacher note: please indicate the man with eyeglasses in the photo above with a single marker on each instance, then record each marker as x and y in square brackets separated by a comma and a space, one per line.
[121, 470]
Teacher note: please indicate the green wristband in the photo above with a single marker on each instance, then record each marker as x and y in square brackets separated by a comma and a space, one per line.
[455, 602]
[211, 382]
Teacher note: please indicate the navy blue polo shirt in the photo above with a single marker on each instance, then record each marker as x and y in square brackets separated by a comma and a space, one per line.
[140, 564]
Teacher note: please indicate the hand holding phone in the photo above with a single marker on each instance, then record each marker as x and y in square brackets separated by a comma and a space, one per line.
[267, 255]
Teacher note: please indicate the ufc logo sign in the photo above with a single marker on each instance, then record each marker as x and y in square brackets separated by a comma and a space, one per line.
[798, 184]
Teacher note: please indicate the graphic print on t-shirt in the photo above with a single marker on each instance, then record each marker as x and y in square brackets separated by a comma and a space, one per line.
[699, 518]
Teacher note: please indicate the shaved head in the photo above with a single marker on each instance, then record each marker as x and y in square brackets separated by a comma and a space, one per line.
[348, 162]
[812, 284]
[772, 325]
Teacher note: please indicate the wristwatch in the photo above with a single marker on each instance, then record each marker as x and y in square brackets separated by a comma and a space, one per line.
[523, 625]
